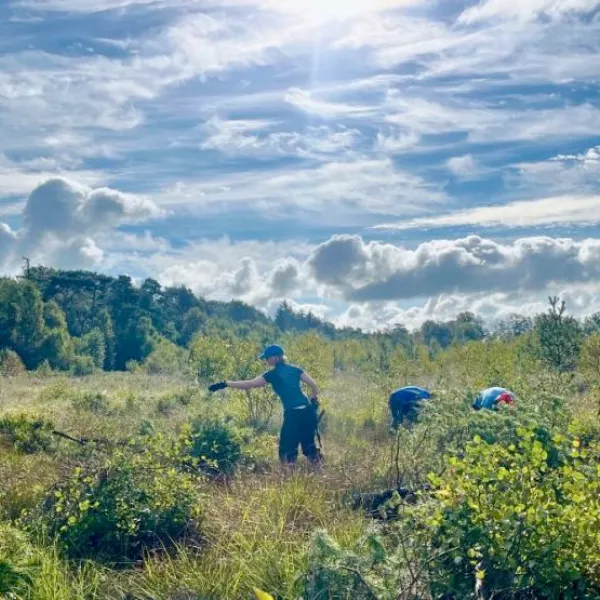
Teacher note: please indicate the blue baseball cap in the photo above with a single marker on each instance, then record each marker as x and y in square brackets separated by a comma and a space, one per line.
[270, 351]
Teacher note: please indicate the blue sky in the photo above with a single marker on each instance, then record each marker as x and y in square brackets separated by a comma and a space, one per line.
[378, 161]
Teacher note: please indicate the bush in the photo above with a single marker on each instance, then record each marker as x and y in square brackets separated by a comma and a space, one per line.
[17, 561]
[94, 402]
[131, 504]
[44, 370]
[82, 365]
[183, 397]
[523, 517]
[11, 363]
[27, 434]
[166, 359]
[216, 445]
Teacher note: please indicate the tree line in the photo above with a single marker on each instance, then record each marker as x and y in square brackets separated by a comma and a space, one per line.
[81, 321]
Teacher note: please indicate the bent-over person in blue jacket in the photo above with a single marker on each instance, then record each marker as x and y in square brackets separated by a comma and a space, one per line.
[405, 402]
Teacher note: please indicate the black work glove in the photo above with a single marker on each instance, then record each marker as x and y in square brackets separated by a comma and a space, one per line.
[314, 402]
[215, 387]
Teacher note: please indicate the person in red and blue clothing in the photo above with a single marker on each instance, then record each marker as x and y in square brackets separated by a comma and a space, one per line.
[491, 398]
[300, 420]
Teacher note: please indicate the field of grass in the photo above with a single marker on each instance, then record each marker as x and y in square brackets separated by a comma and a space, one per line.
[258, 525]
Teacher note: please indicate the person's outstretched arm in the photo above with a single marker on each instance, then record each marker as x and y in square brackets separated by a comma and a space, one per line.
[247, 384]
[314, 388]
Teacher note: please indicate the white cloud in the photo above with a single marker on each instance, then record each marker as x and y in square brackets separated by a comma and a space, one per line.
[62, 206]
[561, 210]
[463, 167]
[252, 138]
[83, 6]
[307, 102]
[590, 157]
[374, 271]
[333, 190]
[261, 273]
[581, 300]
[59, 218]
[19, 178]
[485, 123]
[525, 10]
[396, 142]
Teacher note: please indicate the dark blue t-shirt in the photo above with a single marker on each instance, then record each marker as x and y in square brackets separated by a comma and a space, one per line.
[409, 395]
[285, 380]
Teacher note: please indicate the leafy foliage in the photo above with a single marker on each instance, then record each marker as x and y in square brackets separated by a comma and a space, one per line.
[27, 434]
[129, 504]
[216, 445]
[523, 517]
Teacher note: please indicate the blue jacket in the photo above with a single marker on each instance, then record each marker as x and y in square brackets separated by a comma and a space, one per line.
[409, 395]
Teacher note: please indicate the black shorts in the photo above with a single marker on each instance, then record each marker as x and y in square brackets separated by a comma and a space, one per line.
[299, 429]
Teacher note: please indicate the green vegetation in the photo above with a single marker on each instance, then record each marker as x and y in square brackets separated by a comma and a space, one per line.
[122, 478]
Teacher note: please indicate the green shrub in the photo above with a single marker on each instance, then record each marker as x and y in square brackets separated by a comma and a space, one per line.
[11, 363]
[26, 433]
[17, 563]
[60, 390]
[166, 359]
[345, 574]
[523, 517]
[44, 370]
[80, 366]
[94, 402]
[216, 445]
[115, 512]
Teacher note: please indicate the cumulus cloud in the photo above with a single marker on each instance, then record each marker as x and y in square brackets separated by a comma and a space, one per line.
[285, 277]
[372, 271]
[62, 206]
[60, 217]
[581, 300]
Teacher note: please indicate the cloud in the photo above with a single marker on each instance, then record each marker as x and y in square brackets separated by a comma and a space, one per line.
[18, 178]
[589, 158]
[59, 218]
[463, 167]
[396, 143]
[83, 6]
[335, 190]
[8, 241]
[581, 300]
[525, 11]
[484, 123]
[285, 277]
[307, 102]
[373, 271]
[251, 138]
[256, 272]
[62, 206]
[560, 210]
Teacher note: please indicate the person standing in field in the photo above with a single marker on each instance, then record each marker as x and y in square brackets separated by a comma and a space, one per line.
[300, 420]
[490, 398]
[405, 402]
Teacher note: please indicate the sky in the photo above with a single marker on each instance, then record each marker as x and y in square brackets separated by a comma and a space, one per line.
[378, 162]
